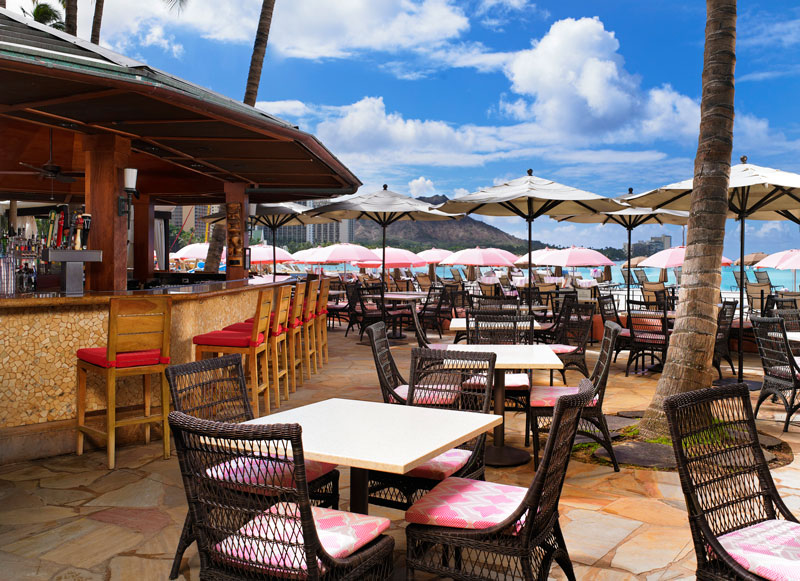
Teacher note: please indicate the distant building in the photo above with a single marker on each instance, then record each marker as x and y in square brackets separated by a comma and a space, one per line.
[328, 233]
[649, 247]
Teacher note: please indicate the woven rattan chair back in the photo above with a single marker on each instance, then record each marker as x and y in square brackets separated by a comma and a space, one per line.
[790, 295]
[529, 296]
[649, 290]
[724, 476]
[599, 375]
[419, 330]
[248, 498]
[211, 389]
[490, 289]
[783, 304]
[498, 328]
[449, 379]
[388, 374]
[423, 281]
[575, 329]
[608, 309]
[781, 369]
[494, 303]
[791, 318]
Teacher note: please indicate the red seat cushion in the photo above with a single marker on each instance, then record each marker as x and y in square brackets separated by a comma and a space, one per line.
[240, 327]
[546, 396]
[226, 339]
[97, 356]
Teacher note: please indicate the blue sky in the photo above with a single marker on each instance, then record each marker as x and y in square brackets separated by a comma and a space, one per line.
[438, 96]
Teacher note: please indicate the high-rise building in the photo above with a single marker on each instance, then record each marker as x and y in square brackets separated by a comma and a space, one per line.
[649, 247]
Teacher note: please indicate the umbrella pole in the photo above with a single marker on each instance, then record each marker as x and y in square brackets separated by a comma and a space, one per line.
[530, 224]
[741, 297]
[274, 230]
[383, 262]
[628, 278]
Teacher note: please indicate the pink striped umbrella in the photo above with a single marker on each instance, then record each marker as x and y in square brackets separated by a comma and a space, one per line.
[479, 257]
[261, 253]
[784, 260]
[339, 253]
[434, 255]
[672, 258]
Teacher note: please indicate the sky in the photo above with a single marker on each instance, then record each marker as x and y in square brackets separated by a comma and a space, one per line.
[446, 97]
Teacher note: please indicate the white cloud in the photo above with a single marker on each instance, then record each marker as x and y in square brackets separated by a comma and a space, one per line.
[289, 108]
[156, 37]
[497, 13]
[421, 186]
[768, 31]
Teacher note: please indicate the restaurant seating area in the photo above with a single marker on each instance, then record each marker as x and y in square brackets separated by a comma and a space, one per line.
[70, 515]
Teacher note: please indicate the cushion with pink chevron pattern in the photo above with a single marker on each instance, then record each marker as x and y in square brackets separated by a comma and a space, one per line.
[770, 549]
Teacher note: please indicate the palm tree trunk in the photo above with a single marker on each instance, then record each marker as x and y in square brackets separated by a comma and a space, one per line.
[215, 245]
[97, 21]
[691, 347]
[71, 17]
[259, 50]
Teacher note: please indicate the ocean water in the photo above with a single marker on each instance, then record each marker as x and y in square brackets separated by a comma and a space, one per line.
[779, 278]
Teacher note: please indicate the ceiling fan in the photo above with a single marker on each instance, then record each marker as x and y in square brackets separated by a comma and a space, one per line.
[48, 169]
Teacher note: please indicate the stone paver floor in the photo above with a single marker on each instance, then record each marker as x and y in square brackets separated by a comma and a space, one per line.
[68, 518]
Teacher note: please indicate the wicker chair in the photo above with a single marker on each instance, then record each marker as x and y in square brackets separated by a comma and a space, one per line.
[394, 388]
[419, 330]
[608, 311]
[215, 389]
[762, 277]
[647, 323]
[570, 345]
[488, 303]
[757, 294]
[249, 499]
[781, 369]
[593, 421]
[721, 346]
[562, 309]
[730, 496]
[454, 380]
[520, 537]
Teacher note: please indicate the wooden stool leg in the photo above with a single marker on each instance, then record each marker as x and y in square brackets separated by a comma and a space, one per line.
[273, 355]
[162, 379]
[306, 350]
[147, 402]
[297, 355]
[81, 408]
[292, 368]
[318, 341]
[252, 362]
[111, 416]
[325, 335]
[285, 358]
[314, 354]
[265, 376]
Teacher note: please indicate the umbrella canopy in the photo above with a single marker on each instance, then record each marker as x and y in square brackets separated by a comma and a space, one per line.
[395, 258]
[529, 197]
[196, 251]
[534, 257]
[260, 253]
[751, 259]
[300, 255]
[635, 261]
[778, 259]
[339, 253]
[434, 255]
[384, 207]
[672, 258]
[575, 257]
[758, 193]
[479, 257]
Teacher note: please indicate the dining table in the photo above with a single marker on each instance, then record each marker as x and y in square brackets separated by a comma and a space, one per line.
[527, 357]
[366, 435]
[793, 336]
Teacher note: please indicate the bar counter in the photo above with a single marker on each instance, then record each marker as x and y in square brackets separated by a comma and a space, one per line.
[40, 334]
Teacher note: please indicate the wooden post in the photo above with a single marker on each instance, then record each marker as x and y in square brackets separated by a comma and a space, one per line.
[143, 238]
[236, 203]
[106, 156]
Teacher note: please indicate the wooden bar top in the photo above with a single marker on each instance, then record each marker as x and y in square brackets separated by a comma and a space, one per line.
[195, 291]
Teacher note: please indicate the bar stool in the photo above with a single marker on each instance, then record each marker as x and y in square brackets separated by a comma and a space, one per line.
[295, 335]
[249, 341]
[321, 321]
[279, 344]
[309, 333]
[137, 344]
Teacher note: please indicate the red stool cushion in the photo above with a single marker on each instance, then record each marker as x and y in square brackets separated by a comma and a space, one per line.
[97, 356]
[226, 339]
[240, 327]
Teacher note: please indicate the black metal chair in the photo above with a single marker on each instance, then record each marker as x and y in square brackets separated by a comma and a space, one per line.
[608, 311]
[215, 389]
[593, 422]
[452, 380]
[721, 345]
[570, 345]
[248, 496]
[781, 369]
[647, 323]
[518, 536]
[562, 310]
[394, 388]
[736, 515]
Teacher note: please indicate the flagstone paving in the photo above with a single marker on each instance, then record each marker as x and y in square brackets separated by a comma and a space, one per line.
[68, 518]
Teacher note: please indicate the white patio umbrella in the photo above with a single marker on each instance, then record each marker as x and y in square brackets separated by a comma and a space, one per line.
[384, 207]
[195, 251]
[754, 192]
[783, 260]
[528, 197]
[630, 218]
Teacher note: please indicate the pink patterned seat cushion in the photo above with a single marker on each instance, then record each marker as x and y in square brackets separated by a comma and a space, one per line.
[770, 549]
[430, 394]
[252, 473]
[467, 504]
[546, 396]
[512, 381]
[443, 465]
[560, 349]
[276, 544]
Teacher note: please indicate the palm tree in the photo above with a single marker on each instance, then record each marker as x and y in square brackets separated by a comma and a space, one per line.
[688, 365]
[97, 21]
[46, 14]
[70, 16]
[259, 50]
